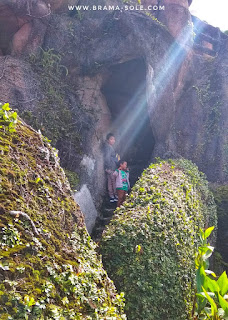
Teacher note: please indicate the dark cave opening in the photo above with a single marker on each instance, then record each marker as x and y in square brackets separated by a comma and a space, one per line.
[125, 93]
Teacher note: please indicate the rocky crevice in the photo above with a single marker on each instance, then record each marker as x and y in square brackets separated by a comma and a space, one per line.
[107, 212]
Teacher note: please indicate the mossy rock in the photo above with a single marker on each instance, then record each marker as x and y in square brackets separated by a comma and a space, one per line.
[49, 270]
[221, 199]
[73, 178]
[149, 247]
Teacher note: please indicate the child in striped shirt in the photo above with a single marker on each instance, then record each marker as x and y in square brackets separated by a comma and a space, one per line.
[122, 181]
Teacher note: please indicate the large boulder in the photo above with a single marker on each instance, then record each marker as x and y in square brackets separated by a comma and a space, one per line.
[23, 25]
[49, 267]
[150, 245]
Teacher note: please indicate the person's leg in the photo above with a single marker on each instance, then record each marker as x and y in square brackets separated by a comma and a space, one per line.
[124, 196]
[121, 197]
[113, 181]
[110, 185]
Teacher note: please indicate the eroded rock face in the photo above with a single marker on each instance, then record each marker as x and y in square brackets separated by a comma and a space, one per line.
[24, 25]
[8, 27]
[180, 85]
[24, 22]
[177, 18]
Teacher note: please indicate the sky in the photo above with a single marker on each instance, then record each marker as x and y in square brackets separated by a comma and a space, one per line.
[215, 12]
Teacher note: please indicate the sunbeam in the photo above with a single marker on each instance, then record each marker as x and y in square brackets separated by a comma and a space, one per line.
[133, 116]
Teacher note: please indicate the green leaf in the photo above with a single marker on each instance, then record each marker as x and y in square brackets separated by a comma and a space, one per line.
[200, 278]
[203, 249]
[201, 234]
[6, 107]
[208, 232]
[11, 130]
[37, 180]
[201, 302]
[211, 285]
[138, 248]
[14, 115]
[223, 283]
[223, 304]
[208, 253]
[31, 302]
[214, 308]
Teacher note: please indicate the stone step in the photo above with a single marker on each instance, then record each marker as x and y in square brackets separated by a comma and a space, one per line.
[97, 233]
[109, 205]
[106, 215]
[108, 212]
[105, 221]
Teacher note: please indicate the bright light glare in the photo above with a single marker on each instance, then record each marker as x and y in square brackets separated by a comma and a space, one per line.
[134, 115]
[213, 12]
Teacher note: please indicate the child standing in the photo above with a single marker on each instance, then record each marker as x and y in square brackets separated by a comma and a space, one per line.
[122, 181]
[110, 165]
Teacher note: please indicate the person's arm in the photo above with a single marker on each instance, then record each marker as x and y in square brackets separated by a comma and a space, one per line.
[115, 173]
[107, 157]
[129, 186]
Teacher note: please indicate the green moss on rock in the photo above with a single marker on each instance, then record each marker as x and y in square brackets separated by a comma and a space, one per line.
[221, 198]
[56, 116]
[73, 178]
[150, 245]
[53, 273]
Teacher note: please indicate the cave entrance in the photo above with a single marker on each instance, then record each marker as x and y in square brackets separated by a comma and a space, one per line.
[125, 93]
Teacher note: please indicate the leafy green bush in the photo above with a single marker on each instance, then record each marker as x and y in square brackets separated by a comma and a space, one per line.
[8, 118]
[149, 248]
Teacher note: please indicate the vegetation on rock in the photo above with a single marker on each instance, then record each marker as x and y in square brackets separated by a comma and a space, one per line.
[49, 267]
[59, 116]
[73, 178]
[221, 199]
[149, 248]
